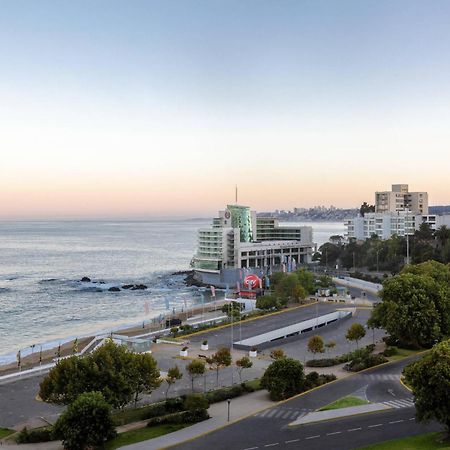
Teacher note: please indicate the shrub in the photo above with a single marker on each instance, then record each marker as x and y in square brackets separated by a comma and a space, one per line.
[323, 362]
[196, 401]
[181, 417]
[34, 436]
[390, 351]
[149, 411]
[205, 342]
[220, 395]
[184, 349]
[365, 362]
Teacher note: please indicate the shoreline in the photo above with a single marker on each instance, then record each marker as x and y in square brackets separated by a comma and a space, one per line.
[30, 358]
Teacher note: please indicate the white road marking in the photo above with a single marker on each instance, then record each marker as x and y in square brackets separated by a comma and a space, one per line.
[336, 432]
[313, 437]
[291, 441]
[376, 425]
[412, 418]
[272, 445]
[354, 429]
[251, 448]
[396, 421]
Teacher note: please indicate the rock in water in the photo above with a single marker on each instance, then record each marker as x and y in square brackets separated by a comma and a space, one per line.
[86, 280]
[114, 289]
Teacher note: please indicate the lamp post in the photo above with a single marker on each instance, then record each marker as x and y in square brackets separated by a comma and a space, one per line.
[228, 412]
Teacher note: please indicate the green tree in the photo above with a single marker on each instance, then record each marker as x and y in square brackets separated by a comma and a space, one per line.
[220, 359]
[144, 376]
[87, 423]
[330, 345]
[429, 379]
[316, 345]
[243, 363]
[307, 280]
[267, 302]
[414, 309]
[173, 374]
[283, 378]
[289, 288]
[366, 208]
[232, 309]
[355, 333]
[195, 369]
[119, 374]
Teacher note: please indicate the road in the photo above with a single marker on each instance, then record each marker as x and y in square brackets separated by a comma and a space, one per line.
[269, 428]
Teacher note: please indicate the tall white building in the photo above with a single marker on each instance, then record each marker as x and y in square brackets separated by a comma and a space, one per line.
[400, 199]
[384, 225]
[238, 239]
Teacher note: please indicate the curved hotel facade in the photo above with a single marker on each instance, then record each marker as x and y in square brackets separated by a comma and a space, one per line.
[238, 239]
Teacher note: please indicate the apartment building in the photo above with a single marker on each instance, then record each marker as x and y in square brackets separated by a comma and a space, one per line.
[400, 199]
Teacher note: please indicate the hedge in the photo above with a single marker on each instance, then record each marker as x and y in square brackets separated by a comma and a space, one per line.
[180, 417]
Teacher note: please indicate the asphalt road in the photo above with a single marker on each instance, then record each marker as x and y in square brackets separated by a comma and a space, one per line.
[222, 337]
[270, 428]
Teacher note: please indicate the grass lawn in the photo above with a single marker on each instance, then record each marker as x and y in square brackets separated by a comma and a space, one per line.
[255, 384]
[403, 353]
[142, 434]
[429, 441]
[345, 403]
[5, 432]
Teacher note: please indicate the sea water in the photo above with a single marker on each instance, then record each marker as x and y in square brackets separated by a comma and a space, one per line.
[44, 302]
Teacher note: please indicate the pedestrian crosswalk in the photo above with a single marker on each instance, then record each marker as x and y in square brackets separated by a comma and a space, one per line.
[282, 413]
[381, 377]
[400, 403]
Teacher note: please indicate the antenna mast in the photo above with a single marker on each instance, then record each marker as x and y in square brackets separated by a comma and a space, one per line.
[236, 194]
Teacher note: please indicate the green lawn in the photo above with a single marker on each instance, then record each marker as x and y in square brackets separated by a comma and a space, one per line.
[5, 432]
[345, 403]
[403, 353]
[428, 441]
[142, 434]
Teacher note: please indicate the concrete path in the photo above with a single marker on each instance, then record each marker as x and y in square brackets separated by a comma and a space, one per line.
[239, 407]
[319, 416]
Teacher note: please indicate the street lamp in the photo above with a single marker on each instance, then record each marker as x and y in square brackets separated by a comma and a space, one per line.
[228, 404]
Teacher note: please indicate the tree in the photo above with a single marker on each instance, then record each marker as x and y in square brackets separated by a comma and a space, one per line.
[355, 333]
[316, 345]
[243, 363]
[278, 353]
[222, 358]
[195, 369]
[86, 423]
[118, 373]
[366, 208]
[330, 345]
[415, 308]
[429, 379]
[173, 374]
[267, 302]
[283, 378]
[307, 280]
[232, 309]
[289, 288]
[143, 374]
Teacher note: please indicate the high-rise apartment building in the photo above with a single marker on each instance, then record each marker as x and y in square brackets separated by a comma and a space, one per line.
[400, 199]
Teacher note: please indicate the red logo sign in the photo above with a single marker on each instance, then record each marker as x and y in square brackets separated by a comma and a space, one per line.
[252, 281]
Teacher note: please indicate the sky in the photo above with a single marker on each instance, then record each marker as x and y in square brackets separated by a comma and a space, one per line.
[156, 108]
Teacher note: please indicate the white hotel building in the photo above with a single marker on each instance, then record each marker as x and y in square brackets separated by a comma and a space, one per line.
[239, 239]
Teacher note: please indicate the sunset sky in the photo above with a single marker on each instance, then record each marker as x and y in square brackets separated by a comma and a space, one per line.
[156, 108]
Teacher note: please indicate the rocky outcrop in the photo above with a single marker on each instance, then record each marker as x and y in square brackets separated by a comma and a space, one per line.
[86, 280]
[114, 289]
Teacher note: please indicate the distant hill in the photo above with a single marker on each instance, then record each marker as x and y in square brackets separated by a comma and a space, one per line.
[439, 209]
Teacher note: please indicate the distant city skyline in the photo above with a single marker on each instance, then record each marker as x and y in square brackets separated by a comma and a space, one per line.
[159, 108]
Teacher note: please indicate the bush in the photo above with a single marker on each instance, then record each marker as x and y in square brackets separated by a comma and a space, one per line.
[196, 401]
[390, 351]
[323, 362]
[34, 436]
[365, 362]
[220, 395]
[181, 417]
[147, 412]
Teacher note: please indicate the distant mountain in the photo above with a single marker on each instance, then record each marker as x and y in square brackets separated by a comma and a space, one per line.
[445, 209]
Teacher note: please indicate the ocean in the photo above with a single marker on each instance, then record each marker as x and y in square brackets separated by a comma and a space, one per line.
[43, 300]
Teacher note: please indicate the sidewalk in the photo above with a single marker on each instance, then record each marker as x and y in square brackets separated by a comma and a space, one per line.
[239, 407]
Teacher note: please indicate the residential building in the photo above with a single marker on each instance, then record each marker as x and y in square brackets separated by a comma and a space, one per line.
[400, 199]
